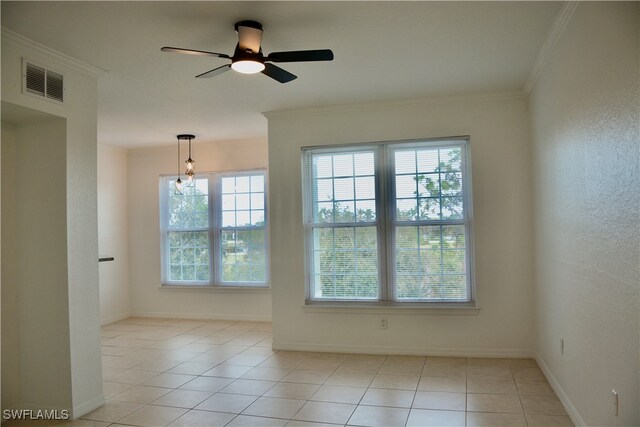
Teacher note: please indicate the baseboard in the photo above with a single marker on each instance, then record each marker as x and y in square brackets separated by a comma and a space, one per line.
[419, 351]
[114, 319]
[200, 316]
[87, 406]
[562, 395]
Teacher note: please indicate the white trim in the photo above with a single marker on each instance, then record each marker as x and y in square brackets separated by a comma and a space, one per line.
[411, 103]
[398, 309]
[87, 406]
[550, 42]
[562, 395]
[200, 316]
[114, 319]
[211, 288]
[41, 49]
[389, 349]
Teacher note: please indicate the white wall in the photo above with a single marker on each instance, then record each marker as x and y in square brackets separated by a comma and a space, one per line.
[10, 341]
[41, 278]
[584, 120]
[113, 233]
[497, 125]
[147, 297]
[79, 208]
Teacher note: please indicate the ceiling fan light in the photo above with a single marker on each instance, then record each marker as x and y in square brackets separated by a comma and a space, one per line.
[247, 66]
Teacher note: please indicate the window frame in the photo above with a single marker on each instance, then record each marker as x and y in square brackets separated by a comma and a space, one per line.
[214, 229]
[384, 169]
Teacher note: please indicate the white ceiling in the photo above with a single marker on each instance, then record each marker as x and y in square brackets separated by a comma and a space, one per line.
[383, 51]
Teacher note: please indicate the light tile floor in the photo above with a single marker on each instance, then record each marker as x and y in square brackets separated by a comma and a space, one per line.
[160, 372]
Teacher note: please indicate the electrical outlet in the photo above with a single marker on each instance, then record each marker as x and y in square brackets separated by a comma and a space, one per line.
[615, 402]
[383, 323]
[562, 346]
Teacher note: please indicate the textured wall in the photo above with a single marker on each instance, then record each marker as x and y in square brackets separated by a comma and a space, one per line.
[584, 119]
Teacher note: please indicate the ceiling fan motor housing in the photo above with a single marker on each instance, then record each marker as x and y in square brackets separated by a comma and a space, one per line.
[248, 23]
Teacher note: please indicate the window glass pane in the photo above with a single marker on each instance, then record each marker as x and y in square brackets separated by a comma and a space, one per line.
[429, 185]
[451, 183]
[323, 213]
[228, 202]
[228, 185]
[257, 217]
[243, 201]
[406, 186]
[365, 188]
[427, 161]
[323, 166]
[452, 208]
[430, 262]
[343, 165]
[345, 263]
[257, 184]
[257, 200]
[242, 184]
[405, 162]
[436, 183]
[406, 209]
[450, 159]
[347, 180]
[365, 210]
[324, 189]
[188, 256]
[364, 163]
[229, 219]
[243, 256]
[429, 208]
[345, 211]
[343, 189]
[190, 209]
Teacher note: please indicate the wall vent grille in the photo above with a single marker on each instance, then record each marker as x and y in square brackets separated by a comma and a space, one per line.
[40, 81]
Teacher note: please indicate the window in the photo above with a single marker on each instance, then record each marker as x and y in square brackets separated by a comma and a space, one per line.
[214, 233]
[388, 222]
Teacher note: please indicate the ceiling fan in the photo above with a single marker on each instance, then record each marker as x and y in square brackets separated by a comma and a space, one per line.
[248, 57]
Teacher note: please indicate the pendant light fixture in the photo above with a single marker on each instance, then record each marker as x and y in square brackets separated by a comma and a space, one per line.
[190, 173]
[178, 181]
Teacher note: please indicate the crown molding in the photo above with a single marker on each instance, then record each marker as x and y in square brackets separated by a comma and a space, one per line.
[382, 105]
[66, 60]
[550, 42]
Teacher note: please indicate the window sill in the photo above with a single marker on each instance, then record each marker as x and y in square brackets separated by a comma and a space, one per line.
[209, 288]
[456, 309]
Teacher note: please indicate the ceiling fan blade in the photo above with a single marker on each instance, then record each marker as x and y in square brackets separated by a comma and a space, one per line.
[301, 56]
[214, 72]
[249, 35]
[278, 73]
[193, 52]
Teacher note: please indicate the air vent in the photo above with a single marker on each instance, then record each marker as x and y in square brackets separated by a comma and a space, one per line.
[43, 82]
[36, 81]
[55, 86]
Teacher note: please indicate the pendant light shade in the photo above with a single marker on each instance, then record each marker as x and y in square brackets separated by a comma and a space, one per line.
[190, 173]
